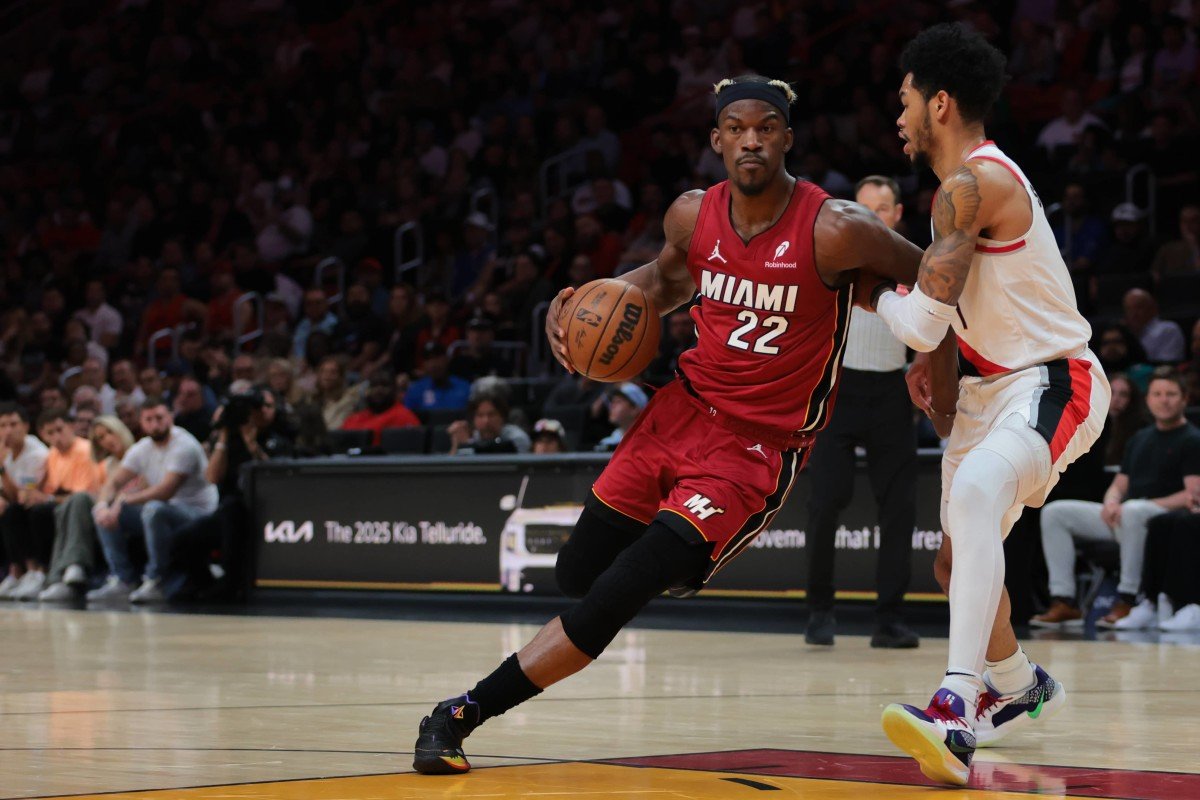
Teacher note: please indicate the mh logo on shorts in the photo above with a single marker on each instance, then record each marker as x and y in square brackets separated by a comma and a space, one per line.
[701, 506]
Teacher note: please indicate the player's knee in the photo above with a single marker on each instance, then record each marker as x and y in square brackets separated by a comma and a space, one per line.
[573, 572]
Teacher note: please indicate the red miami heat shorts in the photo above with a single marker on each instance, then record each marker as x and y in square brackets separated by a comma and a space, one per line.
[677, 465]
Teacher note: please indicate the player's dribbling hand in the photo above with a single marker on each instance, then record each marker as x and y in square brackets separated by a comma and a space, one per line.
[917, 378]
[556, 334]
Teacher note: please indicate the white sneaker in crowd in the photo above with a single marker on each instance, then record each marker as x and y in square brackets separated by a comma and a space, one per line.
[74, 575]
[61, 592]
[1185, 619]
[1143, 615]
[149, 592]
[113, 589]
[7, 586]
[32, 582]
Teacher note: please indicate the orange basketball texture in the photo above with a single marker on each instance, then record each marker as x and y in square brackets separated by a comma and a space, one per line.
[612, 330]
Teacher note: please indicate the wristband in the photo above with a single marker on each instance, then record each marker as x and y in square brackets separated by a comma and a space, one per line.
[885, 286]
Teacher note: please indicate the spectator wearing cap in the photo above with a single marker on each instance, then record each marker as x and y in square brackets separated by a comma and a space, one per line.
[289, 224]
[317, 317]
[486, 429]
[625, 402]
[369, 273]
[385, 408]
[1130, 250]
[438, 389]
[549, 437]
[437, 326]
[1161, 339]
[474, 255]
[478, 358]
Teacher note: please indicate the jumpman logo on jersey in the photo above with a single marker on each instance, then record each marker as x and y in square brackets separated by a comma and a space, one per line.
[716, 253]
[758, 448]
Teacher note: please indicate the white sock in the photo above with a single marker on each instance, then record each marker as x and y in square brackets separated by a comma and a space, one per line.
[1013, 675]
[966, 685]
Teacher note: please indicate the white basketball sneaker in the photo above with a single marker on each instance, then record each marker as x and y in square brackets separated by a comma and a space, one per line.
[997, 715]
[1143, 615]
[938, 737]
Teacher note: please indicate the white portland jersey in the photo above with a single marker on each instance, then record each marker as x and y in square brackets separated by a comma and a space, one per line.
[1018, 306]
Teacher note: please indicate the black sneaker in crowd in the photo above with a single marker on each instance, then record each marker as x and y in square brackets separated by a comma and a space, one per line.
[440, 736]
[821, 626]
[895, 636]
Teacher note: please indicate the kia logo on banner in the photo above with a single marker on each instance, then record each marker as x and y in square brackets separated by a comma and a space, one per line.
[286, 532]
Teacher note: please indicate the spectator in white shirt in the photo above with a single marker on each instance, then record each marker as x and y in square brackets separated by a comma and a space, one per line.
[22, 467]
[1065, 130]
[1161, 339]
[171, 464]
[102, 320]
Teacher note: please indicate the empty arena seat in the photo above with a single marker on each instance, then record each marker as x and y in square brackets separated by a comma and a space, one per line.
[348, 441]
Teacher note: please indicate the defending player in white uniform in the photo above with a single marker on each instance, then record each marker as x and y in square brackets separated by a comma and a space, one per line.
[1032, 398]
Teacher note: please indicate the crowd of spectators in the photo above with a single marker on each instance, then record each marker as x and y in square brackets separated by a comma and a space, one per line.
[159, 161]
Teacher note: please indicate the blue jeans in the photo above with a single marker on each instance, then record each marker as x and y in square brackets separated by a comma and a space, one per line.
[157, 522]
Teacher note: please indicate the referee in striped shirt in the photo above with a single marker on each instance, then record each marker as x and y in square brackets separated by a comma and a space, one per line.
[872, 411]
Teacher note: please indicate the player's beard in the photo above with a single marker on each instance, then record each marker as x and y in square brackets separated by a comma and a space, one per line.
[751, 189]
[920, 145]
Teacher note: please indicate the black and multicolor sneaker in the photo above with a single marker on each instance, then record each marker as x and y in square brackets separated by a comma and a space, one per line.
[439, 738]
[939, 737]
[998, 715]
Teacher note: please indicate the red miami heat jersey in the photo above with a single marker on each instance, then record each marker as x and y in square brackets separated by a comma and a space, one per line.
[770, 333]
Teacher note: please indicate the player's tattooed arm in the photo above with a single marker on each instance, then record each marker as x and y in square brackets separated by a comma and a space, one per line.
[957, 222]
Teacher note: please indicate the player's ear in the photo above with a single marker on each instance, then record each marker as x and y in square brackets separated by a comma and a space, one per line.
[788, 138]
[939, 106]
[714, 139]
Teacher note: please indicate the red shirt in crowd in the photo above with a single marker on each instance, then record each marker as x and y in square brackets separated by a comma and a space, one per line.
[398, 416]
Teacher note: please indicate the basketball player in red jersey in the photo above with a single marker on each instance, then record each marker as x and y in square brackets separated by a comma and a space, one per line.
[1031, 400]
[712, 457]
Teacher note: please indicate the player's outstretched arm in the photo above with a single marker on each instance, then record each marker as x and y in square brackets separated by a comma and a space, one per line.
[665, 280]
[849, 238]
[964, 205]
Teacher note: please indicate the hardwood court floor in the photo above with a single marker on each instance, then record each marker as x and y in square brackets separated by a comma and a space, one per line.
[141, 705]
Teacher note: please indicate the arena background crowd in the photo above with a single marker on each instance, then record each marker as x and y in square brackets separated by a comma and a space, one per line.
[348, 218]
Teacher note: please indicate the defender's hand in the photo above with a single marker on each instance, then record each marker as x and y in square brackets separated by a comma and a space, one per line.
[556, 333]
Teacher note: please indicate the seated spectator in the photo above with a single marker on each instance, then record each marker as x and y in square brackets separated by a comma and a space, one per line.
[1169, 575]
[403, 319]
[130, 415]
[123, 378]
[479, 358]
[254, 431]
[486, 429]
[103, 320]
[333, 397]
[625, 402]
[581, 391]
[22, 468]
[85, 418]
[189, 409]
[223, 294]
[1161, 339]
[317, 317]
[1130, 250]
[74, 558]
[1118, 349]
[1181, 256]
[70, 468]
[1160, 473]
[1126, 416]
[437, 327]
[169, 309]
[171, 465]
[549, 437]
[150, 381]
[385, 408]
[438, 389]
[1063, 131]
[360, 335]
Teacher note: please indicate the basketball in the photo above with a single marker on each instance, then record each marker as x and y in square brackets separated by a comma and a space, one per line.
[612, 330]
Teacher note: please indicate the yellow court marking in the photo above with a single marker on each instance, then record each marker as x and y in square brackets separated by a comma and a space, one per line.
[560, 782]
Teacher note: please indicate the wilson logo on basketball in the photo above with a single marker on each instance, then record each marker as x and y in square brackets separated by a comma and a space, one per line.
[625, 330]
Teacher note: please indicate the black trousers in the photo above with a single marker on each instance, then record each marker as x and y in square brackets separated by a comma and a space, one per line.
[28, 533]
[1172, 563]
[225, 532]
[873, 411]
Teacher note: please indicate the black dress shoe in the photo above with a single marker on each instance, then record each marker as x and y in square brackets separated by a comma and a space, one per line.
[895, 635]
[821, 625]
